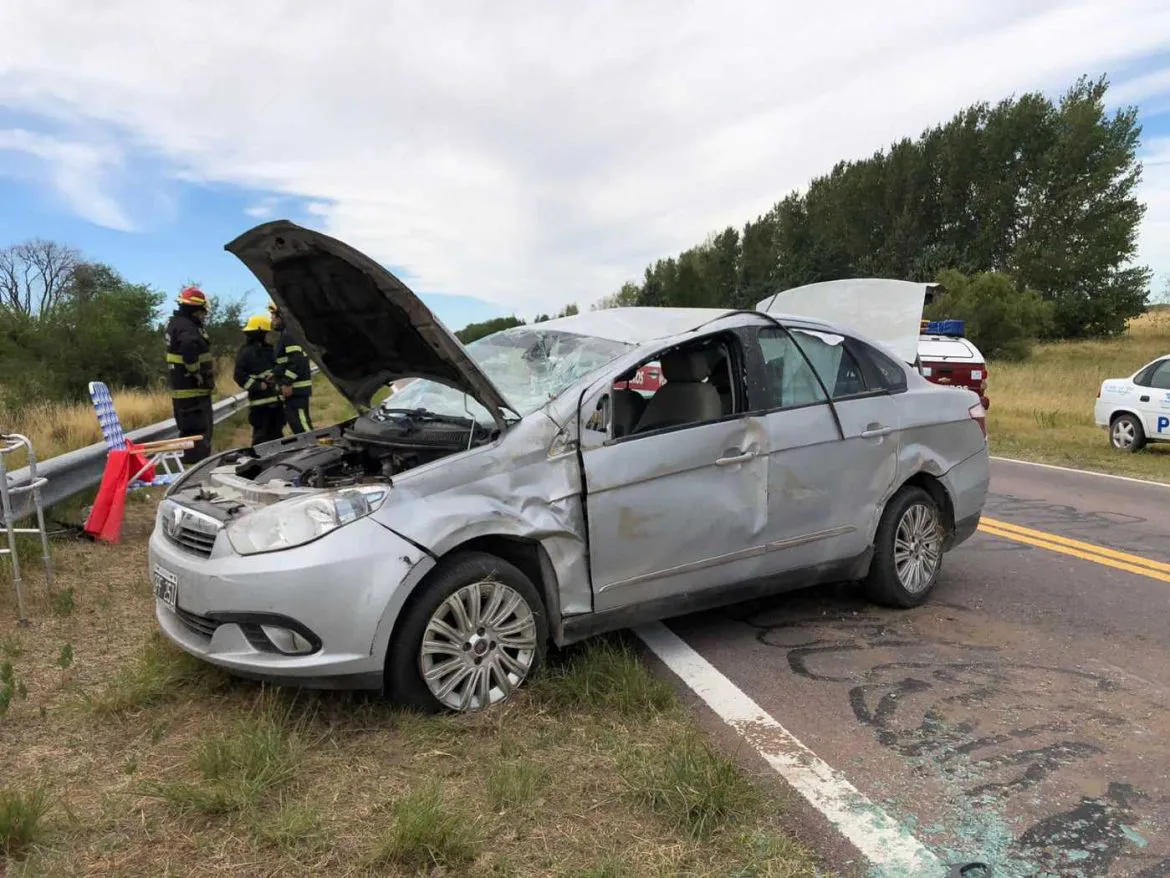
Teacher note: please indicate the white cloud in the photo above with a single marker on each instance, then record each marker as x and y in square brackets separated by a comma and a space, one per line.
[263, 209]
[532, 154]
[76, 171]
[1155, 231]
[1155, 84]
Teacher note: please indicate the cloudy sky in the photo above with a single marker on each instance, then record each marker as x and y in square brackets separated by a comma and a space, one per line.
[505, 157]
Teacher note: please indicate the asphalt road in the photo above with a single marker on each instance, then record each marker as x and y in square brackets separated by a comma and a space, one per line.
[1022, 716]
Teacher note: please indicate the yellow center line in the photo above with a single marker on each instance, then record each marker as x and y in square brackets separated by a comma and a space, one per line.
[1077, 549]
[1092, 549]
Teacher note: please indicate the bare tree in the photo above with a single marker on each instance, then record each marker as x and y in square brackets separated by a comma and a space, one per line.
[35, 276]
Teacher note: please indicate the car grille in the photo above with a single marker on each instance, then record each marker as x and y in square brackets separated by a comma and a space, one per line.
[200, 625]
[190, 530]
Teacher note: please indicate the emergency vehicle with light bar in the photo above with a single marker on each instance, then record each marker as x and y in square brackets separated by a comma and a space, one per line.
[946, 357]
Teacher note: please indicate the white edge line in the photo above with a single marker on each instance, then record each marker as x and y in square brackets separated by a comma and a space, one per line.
[888, 845]
[1083, 472]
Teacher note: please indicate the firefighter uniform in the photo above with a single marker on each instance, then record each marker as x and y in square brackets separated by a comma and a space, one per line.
[191, 372]
[255, 365]
[292, 372]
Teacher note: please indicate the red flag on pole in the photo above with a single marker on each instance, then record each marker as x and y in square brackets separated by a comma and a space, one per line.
[105, 519]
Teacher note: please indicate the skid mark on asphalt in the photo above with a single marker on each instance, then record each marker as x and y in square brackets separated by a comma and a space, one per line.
[889, 846]
[1034, 766]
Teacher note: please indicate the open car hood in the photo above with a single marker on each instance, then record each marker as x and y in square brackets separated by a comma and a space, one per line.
[359, 323]
[888, 311]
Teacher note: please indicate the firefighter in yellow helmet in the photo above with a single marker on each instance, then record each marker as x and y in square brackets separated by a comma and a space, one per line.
[255, 365]
[292, 376]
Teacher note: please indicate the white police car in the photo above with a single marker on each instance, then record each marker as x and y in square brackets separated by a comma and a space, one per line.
[1136, 410]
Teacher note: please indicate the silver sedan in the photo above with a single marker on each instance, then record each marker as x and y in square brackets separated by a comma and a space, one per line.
[517, 491]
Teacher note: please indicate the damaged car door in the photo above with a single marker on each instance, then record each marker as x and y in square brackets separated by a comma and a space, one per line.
[678, 504]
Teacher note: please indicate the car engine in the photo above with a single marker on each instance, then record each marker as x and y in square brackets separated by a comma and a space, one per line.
[370, 449]
[377, 446]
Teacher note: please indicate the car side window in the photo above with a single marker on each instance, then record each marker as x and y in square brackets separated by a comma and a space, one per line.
[1160, 377]
[831, 360]
[791, 381]
[881, 372]
[685, 386]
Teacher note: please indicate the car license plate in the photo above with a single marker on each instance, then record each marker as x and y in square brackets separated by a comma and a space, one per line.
[166, 586]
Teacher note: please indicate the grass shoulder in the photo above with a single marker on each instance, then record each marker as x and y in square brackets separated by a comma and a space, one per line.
[137, 760]
[1042, 407]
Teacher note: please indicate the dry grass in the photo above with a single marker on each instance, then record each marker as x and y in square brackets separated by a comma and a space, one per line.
[55, 428]
[153, 764]
[1042, 409]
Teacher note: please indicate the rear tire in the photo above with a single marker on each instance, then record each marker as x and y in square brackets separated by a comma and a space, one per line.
[477, 631]
[908, 551]
[1126, 434]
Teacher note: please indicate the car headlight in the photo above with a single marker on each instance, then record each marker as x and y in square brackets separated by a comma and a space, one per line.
[302, 519]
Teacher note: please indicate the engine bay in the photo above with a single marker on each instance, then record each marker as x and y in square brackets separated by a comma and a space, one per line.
[374, 447]
[371, 449]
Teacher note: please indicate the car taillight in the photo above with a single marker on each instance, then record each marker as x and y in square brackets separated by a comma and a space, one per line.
[979, 413]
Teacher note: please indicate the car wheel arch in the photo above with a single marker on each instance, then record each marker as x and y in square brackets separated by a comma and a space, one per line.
[937, 491]
[524, 553]
[1117, 413]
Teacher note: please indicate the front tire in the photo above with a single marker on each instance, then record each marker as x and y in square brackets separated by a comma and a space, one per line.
[908, 551]
[476, 632]
[1126, 434]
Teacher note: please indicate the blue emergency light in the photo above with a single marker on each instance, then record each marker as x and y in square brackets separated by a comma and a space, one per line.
[944, 327]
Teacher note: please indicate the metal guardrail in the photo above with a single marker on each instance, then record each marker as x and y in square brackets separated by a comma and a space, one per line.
[76, 471]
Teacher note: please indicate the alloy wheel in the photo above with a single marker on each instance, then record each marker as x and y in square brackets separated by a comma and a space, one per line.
[917, 547]
[478, 646]
[1124, 434]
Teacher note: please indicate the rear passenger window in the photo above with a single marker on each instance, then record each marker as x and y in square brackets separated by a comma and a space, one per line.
[830, 357]
[790, 381]
[881, 372]
[1160, 379]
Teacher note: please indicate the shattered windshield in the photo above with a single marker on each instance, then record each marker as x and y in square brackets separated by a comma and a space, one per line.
[529, 365]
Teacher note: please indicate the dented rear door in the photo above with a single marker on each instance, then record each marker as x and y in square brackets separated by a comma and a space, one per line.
[808, 463]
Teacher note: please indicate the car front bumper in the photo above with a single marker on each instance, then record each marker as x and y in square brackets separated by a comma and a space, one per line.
[341, 593]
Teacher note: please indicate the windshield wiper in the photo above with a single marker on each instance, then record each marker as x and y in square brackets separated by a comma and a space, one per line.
[419, 415]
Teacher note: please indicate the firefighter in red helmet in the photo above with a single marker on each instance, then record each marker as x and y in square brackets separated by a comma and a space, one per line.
[191, 371]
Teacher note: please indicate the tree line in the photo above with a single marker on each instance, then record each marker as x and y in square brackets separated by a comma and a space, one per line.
[1039, 193]
[475, 331]
[66, 321]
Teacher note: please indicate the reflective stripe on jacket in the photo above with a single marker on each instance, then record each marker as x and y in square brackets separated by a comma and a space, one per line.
[255, 363]
[189, 361]
[292, 366]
